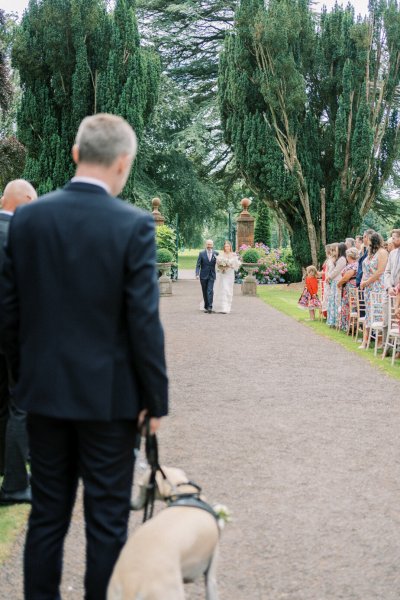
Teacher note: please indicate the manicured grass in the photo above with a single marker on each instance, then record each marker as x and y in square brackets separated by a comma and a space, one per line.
[187, 259]
[12, 521]
[285, 300]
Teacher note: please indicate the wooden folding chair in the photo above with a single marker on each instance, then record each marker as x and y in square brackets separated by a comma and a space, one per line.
[376, 299]
[360, 314]
[353, 314]
[393, 336]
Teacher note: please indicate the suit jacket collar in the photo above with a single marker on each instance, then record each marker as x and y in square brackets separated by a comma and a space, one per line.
[80, 186]
[5, 216]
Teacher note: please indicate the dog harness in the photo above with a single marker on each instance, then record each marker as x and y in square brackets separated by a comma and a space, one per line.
[192, 499]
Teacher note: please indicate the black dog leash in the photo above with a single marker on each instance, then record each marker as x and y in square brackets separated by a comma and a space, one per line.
[152, 459]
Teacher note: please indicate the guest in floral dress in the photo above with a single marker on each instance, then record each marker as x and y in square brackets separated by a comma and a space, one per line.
[347, 283]
[373, 278]
[333, 278]
[309, 297]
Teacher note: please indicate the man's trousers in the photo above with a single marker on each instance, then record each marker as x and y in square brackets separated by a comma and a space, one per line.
[62, 451]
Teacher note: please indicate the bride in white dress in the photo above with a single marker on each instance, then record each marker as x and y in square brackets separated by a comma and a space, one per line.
[227, 263]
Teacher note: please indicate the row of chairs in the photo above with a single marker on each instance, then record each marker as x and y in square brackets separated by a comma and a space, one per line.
[356, 322]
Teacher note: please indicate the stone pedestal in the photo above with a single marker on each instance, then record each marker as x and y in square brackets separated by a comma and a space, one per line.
[164, 281]
[249, 285]
[245, 226]
[159, 219]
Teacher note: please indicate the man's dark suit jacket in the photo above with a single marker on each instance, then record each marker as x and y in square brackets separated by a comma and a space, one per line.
[5, 219]
[359, 275]
[204, 267]
[79, 315]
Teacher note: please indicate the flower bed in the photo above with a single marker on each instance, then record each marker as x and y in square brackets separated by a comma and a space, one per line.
[271, 268]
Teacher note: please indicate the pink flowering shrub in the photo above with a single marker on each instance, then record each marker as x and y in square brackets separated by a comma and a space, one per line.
[271, 267]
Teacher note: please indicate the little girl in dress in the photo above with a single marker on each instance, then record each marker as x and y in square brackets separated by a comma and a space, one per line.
[309, 297]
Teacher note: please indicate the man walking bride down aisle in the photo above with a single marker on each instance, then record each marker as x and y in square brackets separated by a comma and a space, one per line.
[219, 269]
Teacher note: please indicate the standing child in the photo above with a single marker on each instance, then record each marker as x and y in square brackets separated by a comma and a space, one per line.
[309, 298]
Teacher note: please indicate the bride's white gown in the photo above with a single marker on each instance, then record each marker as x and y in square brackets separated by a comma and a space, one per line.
[223, 288]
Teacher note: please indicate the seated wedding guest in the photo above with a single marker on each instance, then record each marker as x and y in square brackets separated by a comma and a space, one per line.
[363, 255]
[346, 283]
[333, 279]
[373, 279]
[359, 242]
[350, 242]
[15, 488]
[392, 276]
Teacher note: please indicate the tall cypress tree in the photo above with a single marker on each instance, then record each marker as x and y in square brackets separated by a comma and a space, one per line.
[129, 84]
[310, 109]
[64, 50]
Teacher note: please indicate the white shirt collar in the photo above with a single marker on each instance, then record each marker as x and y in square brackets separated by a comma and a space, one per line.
[6, 212]
[92, 181]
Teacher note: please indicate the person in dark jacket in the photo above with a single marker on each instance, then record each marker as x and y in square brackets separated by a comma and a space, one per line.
[205, 270]
[15, 488]
[79, 323]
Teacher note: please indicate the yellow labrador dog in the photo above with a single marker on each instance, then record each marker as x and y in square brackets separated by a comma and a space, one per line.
[175, 547]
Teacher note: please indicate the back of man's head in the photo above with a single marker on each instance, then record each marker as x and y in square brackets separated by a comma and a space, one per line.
[17, 193]
[102, 138]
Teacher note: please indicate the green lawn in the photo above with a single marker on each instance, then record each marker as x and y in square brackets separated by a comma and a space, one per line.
[285, 300]
[187, 259]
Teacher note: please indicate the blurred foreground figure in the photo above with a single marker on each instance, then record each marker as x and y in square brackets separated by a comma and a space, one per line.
[15, 488]
[80, 326]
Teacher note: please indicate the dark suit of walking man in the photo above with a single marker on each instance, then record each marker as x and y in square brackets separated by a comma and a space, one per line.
[205, 269]
[80, 325]
[15, 488]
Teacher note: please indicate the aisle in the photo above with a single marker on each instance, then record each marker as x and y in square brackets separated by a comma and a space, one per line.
[296, 436]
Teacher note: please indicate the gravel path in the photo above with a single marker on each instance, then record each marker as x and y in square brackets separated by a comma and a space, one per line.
[298, 437]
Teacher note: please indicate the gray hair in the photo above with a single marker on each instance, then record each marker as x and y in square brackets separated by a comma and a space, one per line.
[352, 252]
[350, 242]
[102, 138]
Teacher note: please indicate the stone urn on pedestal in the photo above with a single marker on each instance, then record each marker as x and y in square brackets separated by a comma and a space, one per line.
[250, 259]
[164, 263]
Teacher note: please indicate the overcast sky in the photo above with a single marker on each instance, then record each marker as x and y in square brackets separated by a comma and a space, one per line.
[19, 5]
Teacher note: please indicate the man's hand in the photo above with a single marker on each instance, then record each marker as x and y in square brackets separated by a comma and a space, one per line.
[154, 422]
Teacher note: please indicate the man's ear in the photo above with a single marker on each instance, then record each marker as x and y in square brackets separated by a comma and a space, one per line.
[75, 153]
[123, 163]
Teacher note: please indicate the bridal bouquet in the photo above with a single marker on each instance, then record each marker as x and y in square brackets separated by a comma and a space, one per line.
[223, 264]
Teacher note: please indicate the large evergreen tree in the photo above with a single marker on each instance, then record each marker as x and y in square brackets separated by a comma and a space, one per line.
[189, 36]
[12, 153]
[76, 59]
[310, 108]
[5, 84]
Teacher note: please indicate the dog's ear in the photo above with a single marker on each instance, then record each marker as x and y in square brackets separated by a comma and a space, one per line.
[173, 478]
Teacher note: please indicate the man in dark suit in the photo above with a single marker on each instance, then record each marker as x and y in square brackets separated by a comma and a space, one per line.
[80, 325]
[15, 487]
[205, 269]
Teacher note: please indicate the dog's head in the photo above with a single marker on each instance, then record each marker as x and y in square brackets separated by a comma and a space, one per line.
[164, 487]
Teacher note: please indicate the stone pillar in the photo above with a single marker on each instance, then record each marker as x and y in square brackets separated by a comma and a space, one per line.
[165, 282]
[159, 219]
[245, 226]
